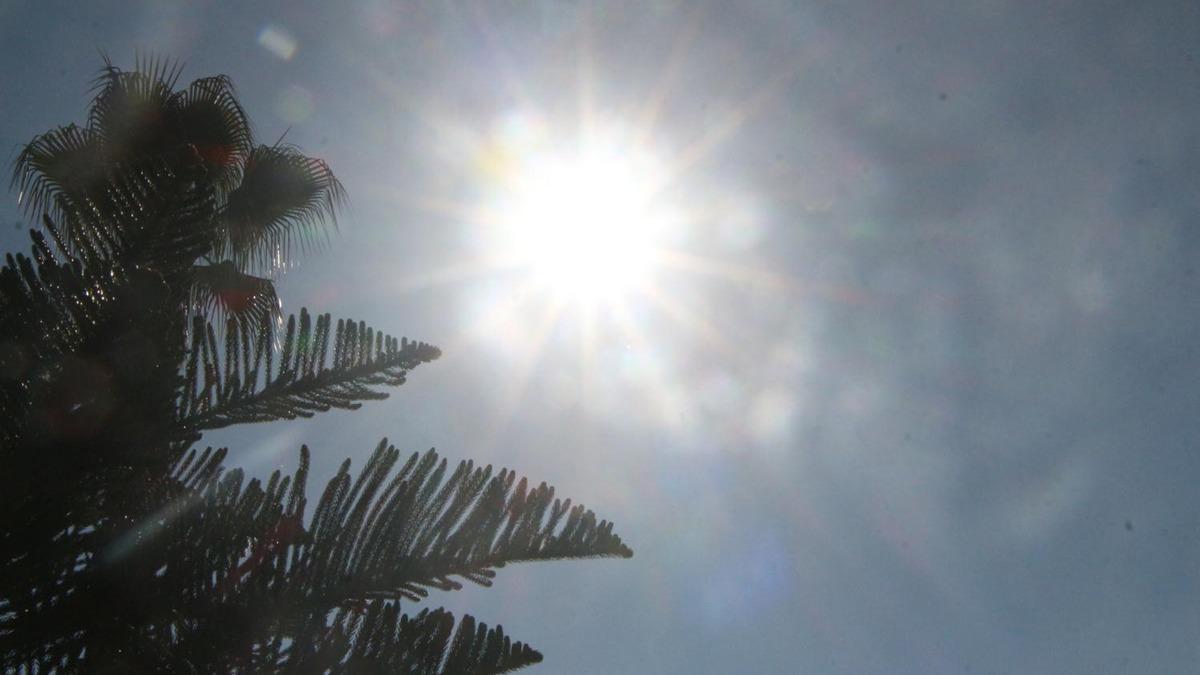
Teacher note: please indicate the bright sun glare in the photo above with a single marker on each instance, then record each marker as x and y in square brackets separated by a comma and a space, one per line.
[589, 227]
[585, 223]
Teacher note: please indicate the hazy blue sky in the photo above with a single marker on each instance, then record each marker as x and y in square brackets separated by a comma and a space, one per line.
[917, 396]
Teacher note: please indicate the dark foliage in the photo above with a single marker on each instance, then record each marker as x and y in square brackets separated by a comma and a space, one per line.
[133, 326]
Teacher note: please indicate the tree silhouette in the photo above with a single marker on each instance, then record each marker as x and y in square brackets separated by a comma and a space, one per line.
[137, 323]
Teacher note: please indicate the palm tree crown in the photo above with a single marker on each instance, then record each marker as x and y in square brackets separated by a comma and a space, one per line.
[252, 207]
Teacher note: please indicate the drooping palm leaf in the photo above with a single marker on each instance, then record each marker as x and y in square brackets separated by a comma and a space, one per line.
[282, 206]
[56, 170]
[206, 116]
[220, 291]
[274, 200]
[131, 109]
[144, 214]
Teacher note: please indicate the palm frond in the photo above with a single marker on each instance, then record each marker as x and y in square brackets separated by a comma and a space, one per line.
[130, 108]
[58, 169]
[281, 207]
[144, 213]
[207, 117]
[220, 292]
[248, 381]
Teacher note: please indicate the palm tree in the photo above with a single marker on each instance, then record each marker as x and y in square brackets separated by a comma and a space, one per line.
[139, 322]
[250, 207]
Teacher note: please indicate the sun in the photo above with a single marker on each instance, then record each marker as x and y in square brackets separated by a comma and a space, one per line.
[585, 223]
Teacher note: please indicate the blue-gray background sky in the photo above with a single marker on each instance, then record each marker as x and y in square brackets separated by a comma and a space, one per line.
[931, 407]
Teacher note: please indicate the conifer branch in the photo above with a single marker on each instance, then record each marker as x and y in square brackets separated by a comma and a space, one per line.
[391, 538]
[242, 383]
[240, 561]
[384, 640]
[382, 536]
[51, 308]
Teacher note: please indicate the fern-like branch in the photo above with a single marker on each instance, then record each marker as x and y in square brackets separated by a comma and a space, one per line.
[265, 578]
[384, 640]
[380, 538]
[248, 381]
[368, 540]
[51, 308]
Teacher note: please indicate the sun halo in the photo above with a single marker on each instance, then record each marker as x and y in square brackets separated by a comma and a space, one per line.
[585, 225]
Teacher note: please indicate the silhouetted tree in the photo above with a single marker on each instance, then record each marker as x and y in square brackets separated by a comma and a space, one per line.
[136, 324]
